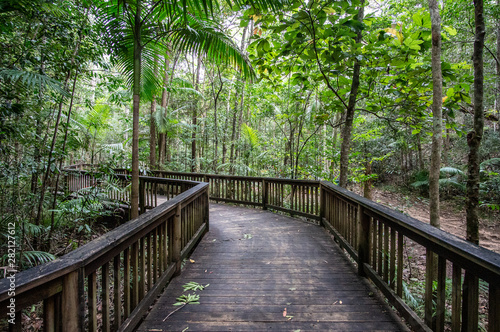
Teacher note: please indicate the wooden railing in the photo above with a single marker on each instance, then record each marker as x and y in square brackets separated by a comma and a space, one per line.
[378, 239]
[109, 283]
[297, 197]
[116, 186]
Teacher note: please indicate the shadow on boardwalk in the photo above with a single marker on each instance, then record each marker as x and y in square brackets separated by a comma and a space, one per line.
[268, 272]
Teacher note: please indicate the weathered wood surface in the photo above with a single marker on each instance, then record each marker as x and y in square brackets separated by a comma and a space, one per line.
[281, 263]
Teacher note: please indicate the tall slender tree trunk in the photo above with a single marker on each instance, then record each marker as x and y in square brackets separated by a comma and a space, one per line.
[63, 150]
[196, 82]
[224, 131]
[233, 136]
[216, 124]
[437, 114]
[497, 100]
[335, 133]
[474, 137]
[351, 107]
[420, 153]
[471, 282]
[152, 125]
[48, 171]
[134, 197]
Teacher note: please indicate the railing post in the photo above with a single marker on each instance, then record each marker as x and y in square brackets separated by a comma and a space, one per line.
[264, 195]
[142, 197]
[73, 301]
[177, 241]
[207, 209]
[364, 240]
[470, 302]
[494, 308]
[322, 203]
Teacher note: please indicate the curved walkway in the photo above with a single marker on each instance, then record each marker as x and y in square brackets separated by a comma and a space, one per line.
[269, 272]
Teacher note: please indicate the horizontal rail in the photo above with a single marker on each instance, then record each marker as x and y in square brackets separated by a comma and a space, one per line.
[296, 197]
[123, 271]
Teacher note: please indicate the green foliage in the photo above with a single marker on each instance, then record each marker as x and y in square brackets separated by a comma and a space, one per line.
[194, 286]
[187, 299]
[449, 176]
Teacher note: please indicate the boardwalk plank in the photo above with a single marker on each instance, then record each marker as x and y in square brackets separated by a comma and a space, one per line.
[257, 264]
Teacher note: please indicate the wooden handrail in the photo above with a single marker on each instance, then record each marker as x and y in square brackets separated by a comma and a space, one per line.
[375, 236]
[142, 253]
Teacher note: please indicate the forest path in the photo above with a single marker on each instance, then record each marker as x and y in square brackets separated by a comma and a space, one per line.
[267, 271]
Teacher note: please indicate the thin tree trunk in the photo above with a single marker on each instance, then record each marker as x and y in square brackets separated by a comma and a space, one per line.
[437, 114]
[233, 136]
[474, 141]
[475, 136]
[63, 150]
[162, 145]
[216, 134]
[367, 188]
[152, 125]
[335, 134]
[224, 132]
[420, 154]
[196, 82]
[497, 100]
[134, 197]
[54, 136]
[351, 107]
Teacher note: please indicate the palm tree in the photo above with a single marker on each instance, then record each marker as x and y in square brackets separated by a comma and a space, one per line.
[138, 30]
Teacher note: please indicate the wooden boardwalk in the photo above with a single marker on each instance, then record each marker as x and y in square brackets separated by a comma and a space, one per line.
[268, 272]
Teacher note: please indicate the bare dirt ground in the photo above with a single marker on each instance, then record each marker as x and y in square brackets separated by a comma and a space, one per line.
[452, 216]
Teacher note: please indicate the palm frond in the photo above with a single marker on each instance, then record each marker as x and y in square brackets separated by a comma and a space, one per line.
[493, 162]
[453, 182]
[204, 37]
[250, 135]
[35, 258]
[113, 147]
[187, 90]
[451, 171]
[31, 80]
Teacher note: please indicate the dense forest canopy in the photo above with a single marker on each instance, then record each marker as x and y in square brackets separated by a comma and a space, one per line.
[334, 90]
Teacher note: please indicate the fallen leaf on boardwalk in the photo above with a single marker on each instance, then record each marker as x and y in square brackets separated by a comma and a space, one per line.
[284, 313]
[289, 317]
[292, 289]
[296, 330]
[191, 260]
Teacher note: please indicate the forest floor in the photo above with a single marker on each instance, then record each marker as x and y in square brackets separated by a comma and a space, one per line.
[452, 215]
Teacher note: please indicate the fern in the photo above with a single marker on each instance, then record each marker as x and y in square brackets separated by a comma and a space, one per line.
[451, 171]
[250, 135]
[493, 162]
[32, 80]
